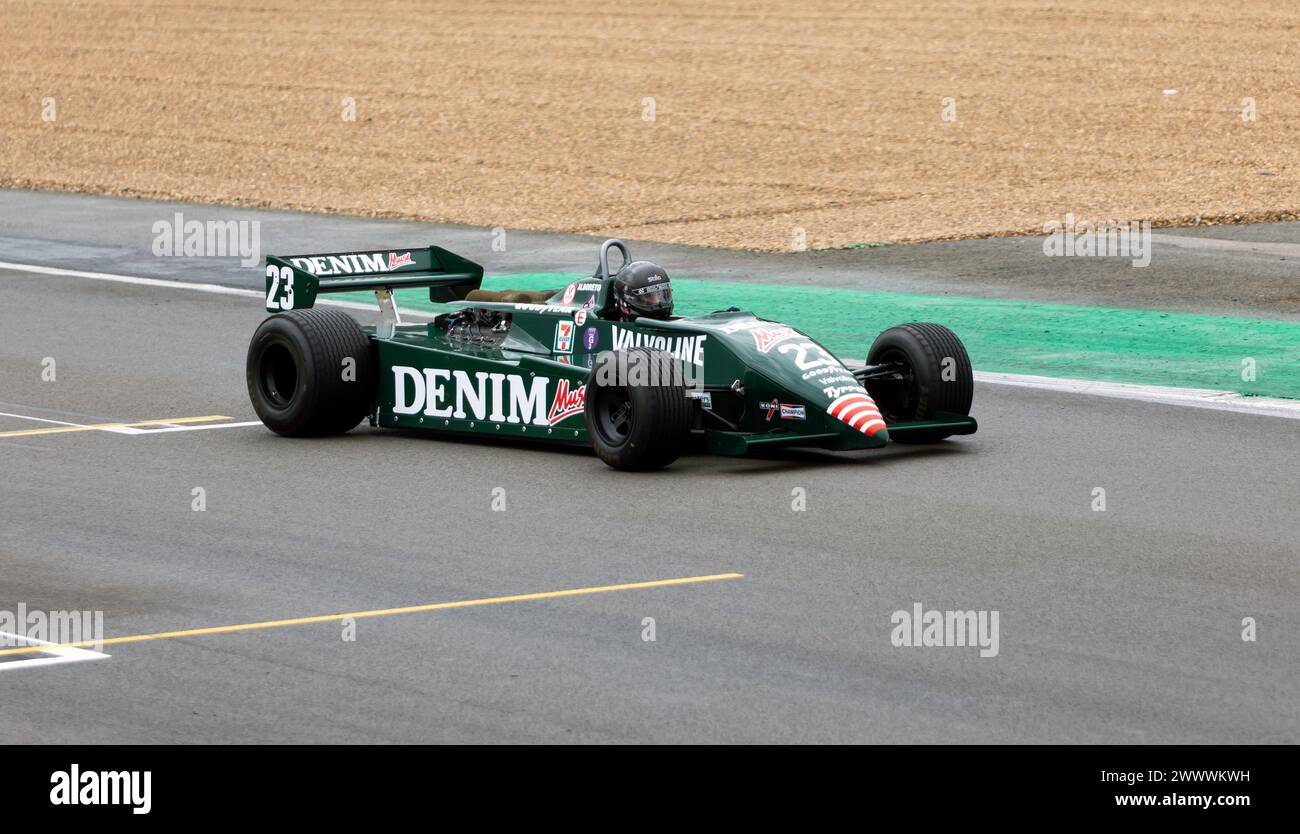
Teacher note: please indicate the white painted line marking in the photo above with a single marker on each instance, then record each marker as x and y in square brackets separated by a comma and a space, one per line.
[128, 279]
[62, 654]
[26, 446]
[199, 428]
[1291, 250]
[185, 285]
[91, 418]
[115, 429]
[133, 430]
[41, 419]
[1193, 397]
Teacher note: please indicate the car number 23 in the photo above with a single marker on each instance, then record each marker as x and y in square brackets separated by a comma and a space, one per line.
[279, 289]
[808, 355]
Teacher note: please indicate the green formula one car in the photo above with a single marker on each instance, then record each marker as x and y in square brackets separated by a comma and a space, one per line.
[600, 362]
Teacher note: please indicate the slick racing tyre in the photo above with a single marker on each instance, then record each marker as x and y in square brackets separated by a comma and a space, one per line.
[935, 375]
[311, 373]
[638, 416]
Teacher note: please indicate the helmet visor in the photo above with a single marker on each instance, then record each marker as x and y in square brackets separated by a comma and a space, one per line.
[655, 298]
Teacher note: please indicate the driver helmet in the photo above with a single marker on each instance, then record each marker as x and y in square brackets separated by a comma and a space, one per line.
[643, 289]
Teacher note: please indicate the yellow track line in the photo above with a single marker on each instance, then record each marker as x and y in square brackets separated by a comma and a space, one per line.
[106, 426]
[382, 612]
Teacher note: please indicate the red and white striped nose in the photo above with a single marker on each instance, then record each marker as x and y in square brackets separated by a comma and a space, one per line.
[859, 411]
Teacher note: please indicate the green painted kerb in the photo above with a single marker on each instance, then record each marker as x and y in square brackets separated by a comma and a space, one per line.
[1022, 337]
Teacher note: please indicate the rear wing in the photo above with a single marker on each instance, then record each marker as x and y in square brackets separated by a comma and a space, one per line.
[293, 281]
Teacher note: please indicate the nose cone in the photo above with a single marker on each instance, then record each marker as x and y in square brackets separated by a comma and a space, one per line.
[859, 412]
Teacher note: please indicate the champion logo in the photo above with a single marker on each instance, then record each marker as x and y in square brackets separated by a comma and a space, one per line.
[567, 402]
[787, 410]
[859, 411]
[395, 260]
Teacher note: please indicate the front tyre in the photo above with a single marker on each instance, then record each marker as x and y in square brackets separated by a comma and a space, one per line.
[934, 375]
[638, 416]
[311, 373]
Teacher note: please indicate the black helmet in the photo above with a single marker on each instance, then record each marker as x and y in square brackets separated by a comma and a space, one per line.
[643, 289]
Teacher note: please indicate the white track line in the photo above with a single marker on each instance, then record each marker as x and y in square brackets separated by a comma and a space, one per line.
[217, 289]
[42, 419]
[115, 429]
[1193, 397]
[208, 427]
[25, 446]
[62, 654]
[134, 430]
[1286, 250]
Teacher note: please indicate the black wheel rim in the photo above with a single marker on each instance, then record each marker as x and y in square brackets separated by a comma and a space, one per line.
[279, 375]
[614, 415]
[896, 395]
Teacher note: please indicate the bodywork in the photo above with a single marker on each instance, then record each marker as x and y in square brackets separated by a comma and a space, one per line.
[520, 368]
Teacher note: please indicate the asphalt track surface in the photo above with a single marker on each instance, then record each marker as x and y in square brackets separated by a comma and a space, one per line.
[115, 235]
[1121, 626]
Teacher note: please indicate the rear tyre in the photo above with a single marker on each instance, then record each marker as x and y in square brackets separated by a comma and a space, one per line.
[936, 376]
[311, 373]
[638, 416]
